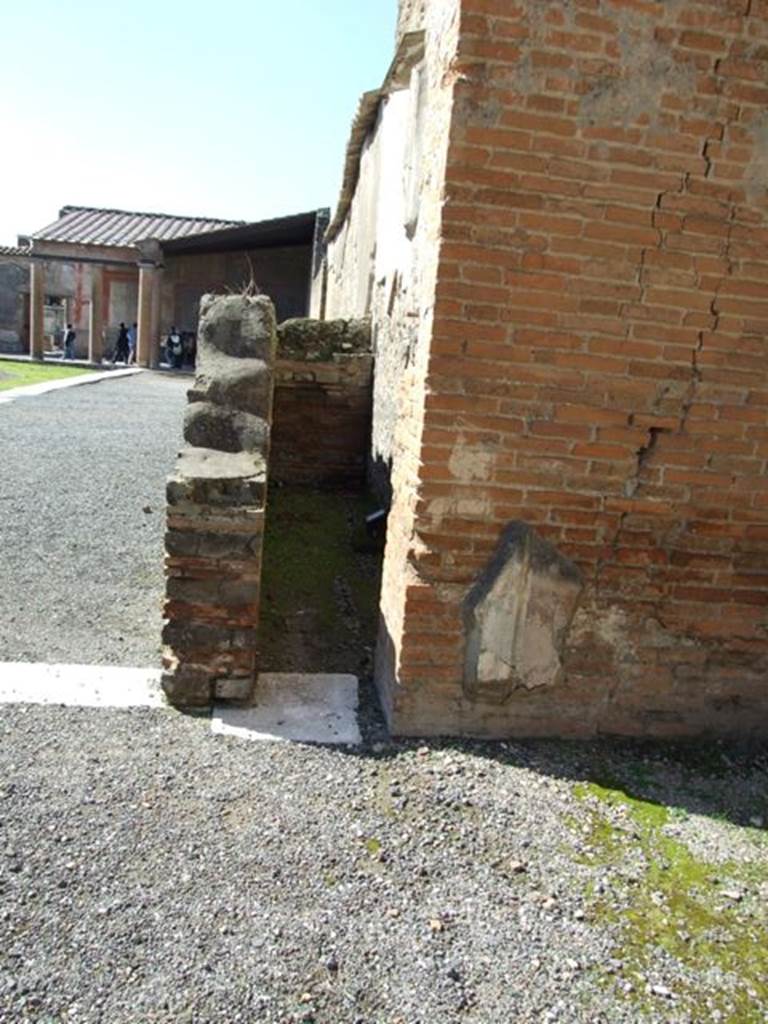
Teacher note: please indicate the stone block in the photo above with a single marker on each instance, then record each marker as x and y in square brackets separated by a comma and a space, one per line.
[187, 686]
[517, 616]
[206, 478]
[230, 546]
[238, 385]
[181, 542]
[210, 426]
[237, 325]
[186, 636]
[305, 339]
[238, 688]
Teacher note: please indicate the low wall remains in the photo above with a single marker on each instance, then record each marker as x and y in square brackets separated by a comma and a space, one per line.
[322, 404]
[216, 503]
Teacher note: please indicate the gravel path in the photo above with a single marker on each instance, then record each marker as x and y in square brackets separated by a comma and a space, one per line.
[151, 872]
[82, 512]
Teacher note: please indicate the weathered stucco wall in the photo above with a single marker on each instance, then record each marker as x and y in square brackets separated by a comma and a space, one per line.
[384, 262]
[597, 373]
[14, 277]
[410, 16]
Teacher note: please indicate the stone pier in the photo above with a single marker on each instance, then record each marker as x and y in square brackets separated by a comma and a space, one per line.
[37, 309]
[216, 503]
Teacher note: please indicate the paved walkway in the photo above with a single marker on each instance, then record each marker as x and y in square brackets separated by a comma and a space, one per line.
[82, 520]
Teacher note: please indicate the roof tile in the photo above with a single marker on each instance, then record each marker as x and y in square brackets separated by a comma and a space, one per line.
[86, 225]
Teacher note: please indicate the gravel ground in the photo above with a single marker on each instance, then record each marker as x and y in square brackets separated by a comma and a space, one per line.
[82, 510]
[151, 872]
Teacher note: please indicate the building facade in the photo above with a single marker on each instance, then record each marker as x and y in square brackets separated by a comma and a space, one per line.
[97, 268]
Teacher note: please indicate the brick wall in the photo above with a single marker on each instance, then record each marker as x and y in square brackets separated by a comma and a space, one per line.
[322, 402]
[597, 367]
[322, 420]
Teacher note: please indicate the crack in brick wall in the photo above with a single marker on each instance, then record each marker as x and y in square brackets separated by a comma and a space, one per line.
[597, 350]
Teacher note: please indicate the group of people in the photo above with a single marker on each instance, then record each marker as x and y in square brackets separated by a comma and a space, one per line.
[180, 349]
[179, 346]
[125, 348]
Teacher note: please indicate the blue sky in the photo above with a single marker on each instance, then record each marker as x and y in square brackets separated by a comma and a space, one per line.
[229, 109]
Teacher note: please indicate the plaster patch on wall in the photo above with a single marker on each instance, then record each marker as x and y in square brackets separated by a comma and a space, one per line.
[468, 508]
[756, 174]
[647, 71]
[623, 88]
[517, 617]
[470, 463]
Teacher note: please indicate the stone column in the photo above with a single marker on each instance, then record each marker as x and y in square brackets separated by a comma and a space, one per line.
[216, 504]
[96, 316]
[145, 340]
[36, 309]
[157, 291]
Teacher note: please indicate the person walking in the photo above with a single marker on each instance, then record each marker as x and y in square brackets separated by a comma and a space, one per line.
[132, 337]
[174, 348]
[121, 348]
[69, 342]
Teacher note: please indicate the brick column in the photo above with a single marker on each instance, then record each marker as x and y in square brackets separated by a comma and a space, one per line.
[216, 503]
[36, 309]
[96, 317]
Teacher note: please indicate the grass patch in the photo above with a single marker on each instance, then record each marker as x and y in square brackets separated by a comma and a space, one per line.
[320, 581]
[677, 905]
[18, 375]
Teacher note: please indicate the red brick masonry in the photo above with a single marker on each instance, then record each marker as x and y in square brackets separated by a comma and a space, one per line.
[598, 364]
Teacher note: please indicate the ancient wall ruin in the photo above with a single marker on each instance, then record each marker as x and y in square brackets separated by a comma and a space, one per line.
[216, 503]
[322, 403]
[588, 363]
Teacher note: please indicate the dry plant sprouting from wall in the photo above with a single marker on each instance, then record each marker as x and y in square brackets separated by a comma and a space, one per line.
[248, 289]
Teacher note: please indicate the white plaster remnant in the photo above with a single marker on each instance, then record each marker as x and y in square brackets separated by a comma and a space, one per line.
[319, 708]
[517, 616]
[89, 686]
[470, 463]
[467, 508]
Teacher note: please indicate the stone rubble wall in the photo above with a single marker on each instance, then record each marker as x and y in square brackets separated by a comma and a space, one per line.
[322, 405]
[216, 505]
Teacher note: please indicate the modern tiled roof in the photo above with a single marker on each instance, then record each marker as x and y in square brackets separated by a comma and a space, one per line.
[85, 225]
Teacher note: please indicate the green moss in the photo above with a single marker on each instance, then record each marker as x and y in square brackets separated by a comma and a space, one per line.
[677, 906]
[319, 587]
[373, 846]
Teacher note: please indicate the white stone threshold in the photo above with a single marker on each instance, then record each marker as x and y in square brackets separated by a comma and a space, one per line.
[319, 708]
[288, 707]
[33, 390]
